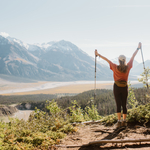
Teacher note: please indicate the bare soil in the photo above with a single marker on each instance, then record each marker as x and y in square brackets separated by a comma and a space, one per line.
[95, 132]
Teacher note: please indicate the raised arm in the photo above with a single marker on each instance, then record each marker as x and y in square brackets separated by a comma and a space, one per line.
[97, 54]
[134, 54]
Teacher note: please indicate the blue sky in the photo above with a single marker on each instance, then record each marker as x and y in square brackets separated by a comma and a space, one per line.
[113, 27]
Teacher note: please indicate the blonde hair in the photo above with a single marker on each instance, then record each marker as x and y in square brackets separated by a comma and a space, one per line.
[122, 67]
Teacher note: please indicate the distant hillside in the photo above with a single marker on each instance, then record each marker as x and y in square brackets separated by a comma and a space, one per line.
[115, 60]
[137, 70]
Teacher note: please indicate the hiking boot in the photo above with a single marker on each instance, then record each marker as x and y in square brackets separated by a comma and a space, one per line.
[124, 124]
[118, 124]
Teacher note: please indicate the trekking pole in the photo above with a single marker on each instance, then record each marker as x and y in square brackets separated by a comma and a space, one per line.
[144, 68]
[95, 79]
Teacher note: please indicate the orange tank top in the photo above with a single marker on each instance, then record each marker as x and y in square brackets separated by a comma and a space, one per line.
[119, 76]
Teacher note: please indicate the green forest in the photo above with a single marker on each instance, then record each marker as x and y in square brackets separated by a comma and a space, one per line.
[104, 101]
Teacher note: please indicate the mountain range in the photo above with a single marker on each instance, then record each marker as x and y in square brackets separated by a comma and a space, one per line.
[137, 67]
[52, 61]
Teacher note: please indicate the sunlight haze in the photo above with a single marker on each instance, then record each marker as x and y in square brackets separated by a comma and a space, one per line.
[112, 27]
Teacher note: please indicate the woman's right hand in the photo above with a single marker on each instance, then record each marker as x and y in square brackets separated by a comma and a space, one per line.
[140, 45]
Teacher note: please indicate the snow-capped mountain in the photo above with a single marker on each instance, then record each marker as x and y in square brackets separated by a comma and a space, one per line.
[66, 58]
[19, 42]
[59, 61]
[63, 46]
[30, 47]
[16, 60]
[37, 46]
[46, 45]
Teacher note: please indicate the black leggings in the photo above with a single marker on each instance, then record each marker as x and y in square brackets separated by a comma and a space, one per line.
[121, 94]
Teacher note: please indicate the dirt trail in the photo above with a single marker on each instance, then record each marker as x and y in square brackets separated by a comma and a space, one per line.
[88, 133]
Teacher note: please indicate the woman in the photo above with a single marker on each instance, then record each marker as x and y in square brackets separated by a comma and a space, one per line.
[120, 88]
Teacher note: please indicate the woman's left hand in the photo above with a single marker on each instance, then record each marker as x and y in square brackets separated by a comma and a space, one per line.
[140, 45]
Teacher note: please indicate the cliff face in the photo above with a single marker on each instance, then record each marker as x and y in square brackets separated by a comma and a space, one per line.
[7, 110]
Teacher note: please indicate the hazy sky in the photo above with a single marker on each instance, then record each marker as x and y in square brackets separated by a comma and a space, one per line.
[113, 27]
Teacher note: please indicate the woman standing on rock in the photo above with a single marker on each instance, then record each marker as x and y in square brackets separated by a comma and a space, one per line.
[120, 88]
